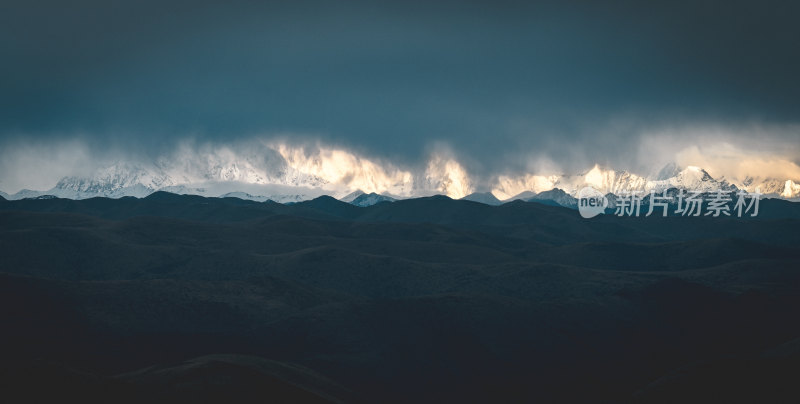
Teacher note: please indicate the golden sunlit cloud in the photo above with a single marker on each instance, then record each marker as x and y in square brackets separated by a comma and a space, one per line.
[448, 177]
[508, 186]
[340, 169]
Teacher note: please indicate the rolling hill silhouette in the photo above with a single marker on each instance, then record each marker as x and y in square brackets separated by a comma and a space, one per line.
[185, 298]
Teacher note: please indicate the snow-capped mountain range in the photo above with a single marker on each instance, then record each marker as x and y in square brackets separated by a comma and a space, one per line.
[280, 183]
[689, 178]
[240, 180]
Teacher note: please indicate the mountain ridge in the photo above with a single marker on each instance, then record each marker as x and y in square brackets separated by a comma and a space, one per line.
[124, 179]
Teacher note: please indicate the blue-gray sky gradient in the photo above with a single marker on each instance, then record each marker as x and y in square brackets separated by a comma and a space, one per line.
[489, 79]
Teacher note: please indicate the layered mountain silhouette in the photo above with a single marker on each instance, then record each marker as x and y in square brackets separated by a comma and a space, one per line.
[180, 298]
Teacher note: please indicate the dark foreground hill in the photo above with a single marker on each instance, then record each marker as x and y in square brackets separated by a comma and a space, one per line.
[182, 298]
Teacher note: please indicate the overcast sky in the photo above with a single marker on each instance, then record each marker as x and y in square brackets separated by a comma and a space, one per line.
[499, 84]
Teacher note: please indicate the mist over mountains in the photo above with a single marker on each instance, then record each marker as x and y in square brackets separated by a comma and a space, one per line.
[289, 176]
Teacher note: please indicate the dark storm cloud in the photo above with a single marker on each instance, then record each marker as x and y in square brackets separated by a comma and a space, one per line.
[568, 79]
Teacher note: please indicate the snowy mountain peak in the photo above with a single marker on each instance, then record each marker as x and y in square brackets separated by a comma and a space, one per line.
[608, 180]
[791, 190]
[352, 196]
[691, 178]
[696, 172]
[370, 199]
[772, 187]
